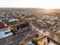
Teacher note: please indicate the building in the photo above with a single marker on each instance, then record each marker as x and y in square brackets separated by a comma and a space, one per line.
[45, 40]
[30, 43]
[24, 28]
[4, 31]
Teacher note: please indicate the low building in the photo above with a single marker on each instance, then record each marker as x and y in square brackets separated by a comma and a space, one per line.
[4, 31]
[11, 21]
[30, 43]
[43, 41]
[24, 27]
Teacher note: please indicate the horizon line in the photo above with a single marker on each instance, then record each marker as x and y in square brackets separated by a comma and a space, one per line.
[29, 7]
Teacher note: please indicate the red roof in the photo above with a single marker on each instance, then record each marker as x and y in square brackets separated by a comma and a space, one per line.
[2, 25]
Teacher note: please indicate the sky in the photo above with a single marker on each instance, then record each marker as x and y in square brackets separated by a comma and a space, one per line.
[30, 3]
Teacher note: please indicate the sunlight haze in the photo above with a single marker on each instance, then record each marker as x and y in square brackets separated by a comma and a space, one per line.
[30, 3]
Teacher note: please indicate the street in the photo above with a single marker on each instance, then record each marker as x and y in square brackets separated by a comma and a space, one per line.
[14, 40]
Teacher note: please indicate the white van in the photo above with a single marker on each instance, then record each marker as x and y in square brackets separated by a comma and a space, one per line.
[6, 32]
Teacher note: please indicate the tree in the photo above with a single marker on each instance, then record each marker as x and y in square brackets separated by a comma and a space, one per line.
[35, 41]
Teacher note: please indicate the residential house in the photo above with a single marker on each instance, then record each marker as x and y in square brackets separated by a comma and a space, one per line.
[4, 31]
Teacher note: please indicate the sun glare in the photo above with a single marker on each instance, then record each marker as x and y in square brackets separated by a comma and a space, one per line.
[47, 4]
[50, 4]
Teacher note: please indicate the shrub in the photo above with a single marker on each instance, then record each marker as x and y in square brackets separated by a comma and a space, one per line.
[35, 41]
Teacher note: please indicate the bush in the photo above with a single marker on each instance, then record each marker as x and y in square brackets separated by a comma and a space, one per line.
[35, 41]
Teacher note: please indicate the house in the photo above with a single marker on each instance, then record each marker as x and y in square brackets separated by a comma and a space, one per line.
[24, 27]
[30, 43]
[2, 25]
[45, 40]
[11, 21]
[21, 28]
[4, 31]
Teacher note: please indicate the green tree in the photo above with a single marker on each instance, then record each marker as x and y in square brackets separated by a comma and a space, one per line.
[35, 41]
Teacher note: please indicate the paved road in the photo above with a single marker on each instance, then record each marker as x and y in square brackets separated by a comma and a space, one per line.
[19, 38]
[24, 37]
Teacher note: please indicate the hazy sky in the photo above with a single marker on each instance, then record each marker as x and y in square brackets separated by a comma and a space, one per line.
[30, 3]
